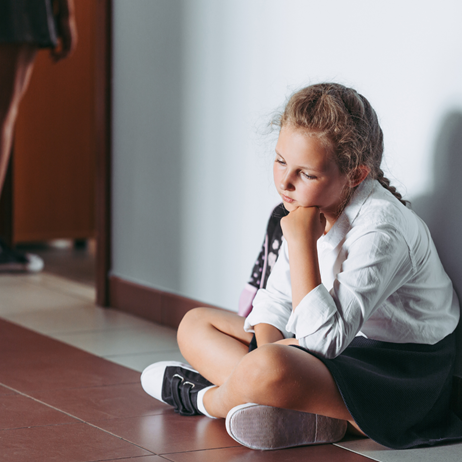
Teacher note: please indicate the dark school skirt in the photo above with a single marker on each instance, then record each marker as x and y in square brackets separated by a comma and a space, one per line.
[398, 394]
[28, 21]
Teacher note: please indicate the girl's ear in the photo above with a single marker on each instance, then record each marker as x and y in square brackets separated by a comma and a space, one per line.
[359, 175]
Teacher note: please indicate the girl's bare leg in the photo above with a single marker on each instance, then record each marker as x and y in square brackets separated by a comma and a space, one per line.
[16, 64]
[280, 376]
[213, 342]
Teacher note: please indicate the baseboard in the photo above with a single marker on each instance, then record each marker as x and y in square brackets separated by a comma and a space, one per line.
[154, 305]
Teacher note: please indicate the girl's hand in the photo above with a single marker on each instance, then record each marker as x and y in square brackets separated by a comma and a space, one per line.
[67, 30]
[303, 224]
[288, 341]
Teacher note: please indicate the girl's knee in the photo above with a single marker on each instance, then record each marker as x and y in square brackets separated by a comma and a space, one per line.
[263, 370]
[190, 323]
[193, 317]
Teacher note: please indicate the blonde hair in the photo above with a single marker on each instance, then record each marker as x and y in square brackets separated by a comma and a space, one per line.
[345, 122]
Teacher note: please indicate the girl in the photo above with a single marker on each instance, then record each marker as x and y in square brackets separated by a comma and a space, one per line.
[355, 326]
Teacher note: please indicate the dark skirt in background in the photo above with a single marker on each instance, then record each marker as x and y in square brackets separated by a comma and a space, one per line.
[398, 394]
[28, 21]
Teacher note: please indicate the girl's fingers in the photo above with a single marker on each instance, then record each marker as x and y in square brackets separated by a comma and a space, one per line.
[303, 223]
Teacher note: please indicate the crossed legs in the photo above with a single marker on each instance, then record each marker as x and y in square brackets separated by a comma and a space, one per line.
[215, 344]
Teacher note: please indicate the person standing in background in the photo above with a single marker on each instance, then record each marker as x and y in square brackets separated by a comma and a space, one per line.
[25, 27]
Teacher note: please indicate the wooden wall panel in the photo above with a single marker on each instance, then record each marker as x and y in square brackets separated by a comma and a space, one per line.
[55, 143]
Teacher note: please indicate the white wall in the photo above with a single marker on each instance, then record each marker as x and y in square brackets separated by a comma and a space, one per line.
[194, 81]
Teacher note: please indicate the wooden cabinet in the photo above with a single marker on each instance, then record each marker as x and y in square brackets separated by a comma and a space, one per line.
[55, 149]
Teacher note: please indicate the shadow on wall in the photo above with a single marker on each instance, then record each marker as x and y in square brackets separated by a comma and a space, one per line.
[443, 210]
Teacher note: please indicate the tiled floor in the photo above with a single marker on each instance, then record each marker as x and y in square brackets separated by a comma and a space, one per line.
[69, 388]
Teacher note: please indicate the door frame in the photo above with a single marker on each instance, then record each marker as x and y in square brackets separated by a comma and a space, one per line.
[103, 81]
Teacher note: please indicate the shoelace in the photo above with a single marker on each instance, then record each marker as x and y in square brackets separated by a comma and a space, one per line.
[181, 395]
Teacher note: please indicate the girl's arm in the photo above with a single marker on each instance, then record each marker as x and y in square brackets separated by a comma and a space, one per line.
[266, 333]
[302, 228]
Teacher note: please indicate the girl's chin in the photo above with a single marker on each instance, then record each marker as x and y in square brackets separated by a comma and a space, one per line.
[290, 207]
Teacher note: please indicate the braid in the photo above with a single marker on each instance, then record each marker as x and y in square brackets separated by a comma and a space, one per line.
[385, 182]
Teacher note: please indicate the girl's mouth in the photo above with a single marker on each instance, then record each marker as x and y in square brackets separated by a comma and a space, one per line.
[287, 199]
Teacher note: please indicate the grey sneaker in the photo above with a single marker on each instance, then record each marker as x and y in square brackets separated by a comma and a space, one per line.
[264, 427]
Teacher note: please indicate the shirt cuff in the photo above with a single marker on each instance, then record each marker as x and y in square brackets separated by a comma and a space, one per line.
[267, 311]
[313, 312]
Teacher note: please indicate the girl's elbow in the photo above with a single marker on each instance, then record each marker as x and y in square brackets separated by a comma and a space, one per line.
[329, 349]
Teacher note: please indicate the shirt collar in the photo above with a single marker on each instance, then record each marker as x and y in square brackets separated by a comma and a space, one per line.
[345, 221]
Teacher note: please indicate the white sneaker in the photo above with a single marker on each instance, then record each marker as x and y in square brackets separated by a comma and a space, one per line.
[176, 384]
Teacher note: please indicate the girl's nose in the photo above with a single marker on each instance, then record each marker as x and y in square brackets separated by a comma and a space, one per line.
[286, 184]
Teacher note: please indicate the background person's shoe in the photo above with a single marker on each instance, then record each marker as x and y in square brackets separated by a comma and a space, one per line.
[264, 427]
[12, 261]
[176, 384]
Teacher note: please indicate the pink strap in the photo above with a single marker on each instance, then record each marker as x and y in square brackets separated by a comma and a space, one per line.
[246, 299]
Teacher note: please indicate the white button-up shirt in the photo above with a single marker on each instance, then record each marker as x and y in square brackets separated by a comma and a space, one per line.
[381, 279]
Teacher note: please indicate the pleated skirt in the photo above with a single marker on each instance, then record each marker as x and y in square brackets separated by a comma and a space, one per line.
[399, 394]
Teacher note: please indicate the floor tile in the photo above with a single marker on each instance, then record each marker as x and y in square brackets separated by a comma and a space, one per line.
[17, 411]
[64, 443]
[100, 403]
[140, 361]
[321, 453]
[30, 361]
[368, 448]
[63, 285]
[18, 341]
[30, 297]
[5, 391]
[80, 318]
[120, 342]
[169, 432]
[69, 370]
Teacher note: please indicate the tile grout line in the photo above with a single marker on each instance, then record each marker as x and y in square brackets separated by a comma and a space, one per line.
[165, 454]
[338, 445]
[77, 418]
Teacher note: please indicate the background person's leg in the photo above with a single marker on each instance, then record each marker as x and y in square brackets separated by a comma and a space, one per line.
[16, 65]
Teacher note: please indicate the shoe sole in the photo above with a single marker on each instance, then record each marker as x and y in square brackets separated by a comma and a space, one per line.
[267, 428]
[150, 380]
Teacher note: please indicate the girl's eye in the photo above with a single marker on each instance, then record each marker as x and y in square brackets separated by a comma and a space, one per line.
[280, 161]
[309, 177]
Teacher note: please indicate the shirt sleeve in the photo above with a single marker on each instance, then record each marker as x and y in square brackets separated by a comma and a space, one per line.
[377, 263]
[273, 305]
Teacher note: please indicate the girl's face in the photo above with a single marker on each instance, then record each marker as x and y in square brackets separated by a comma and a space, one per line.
[306, 174]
